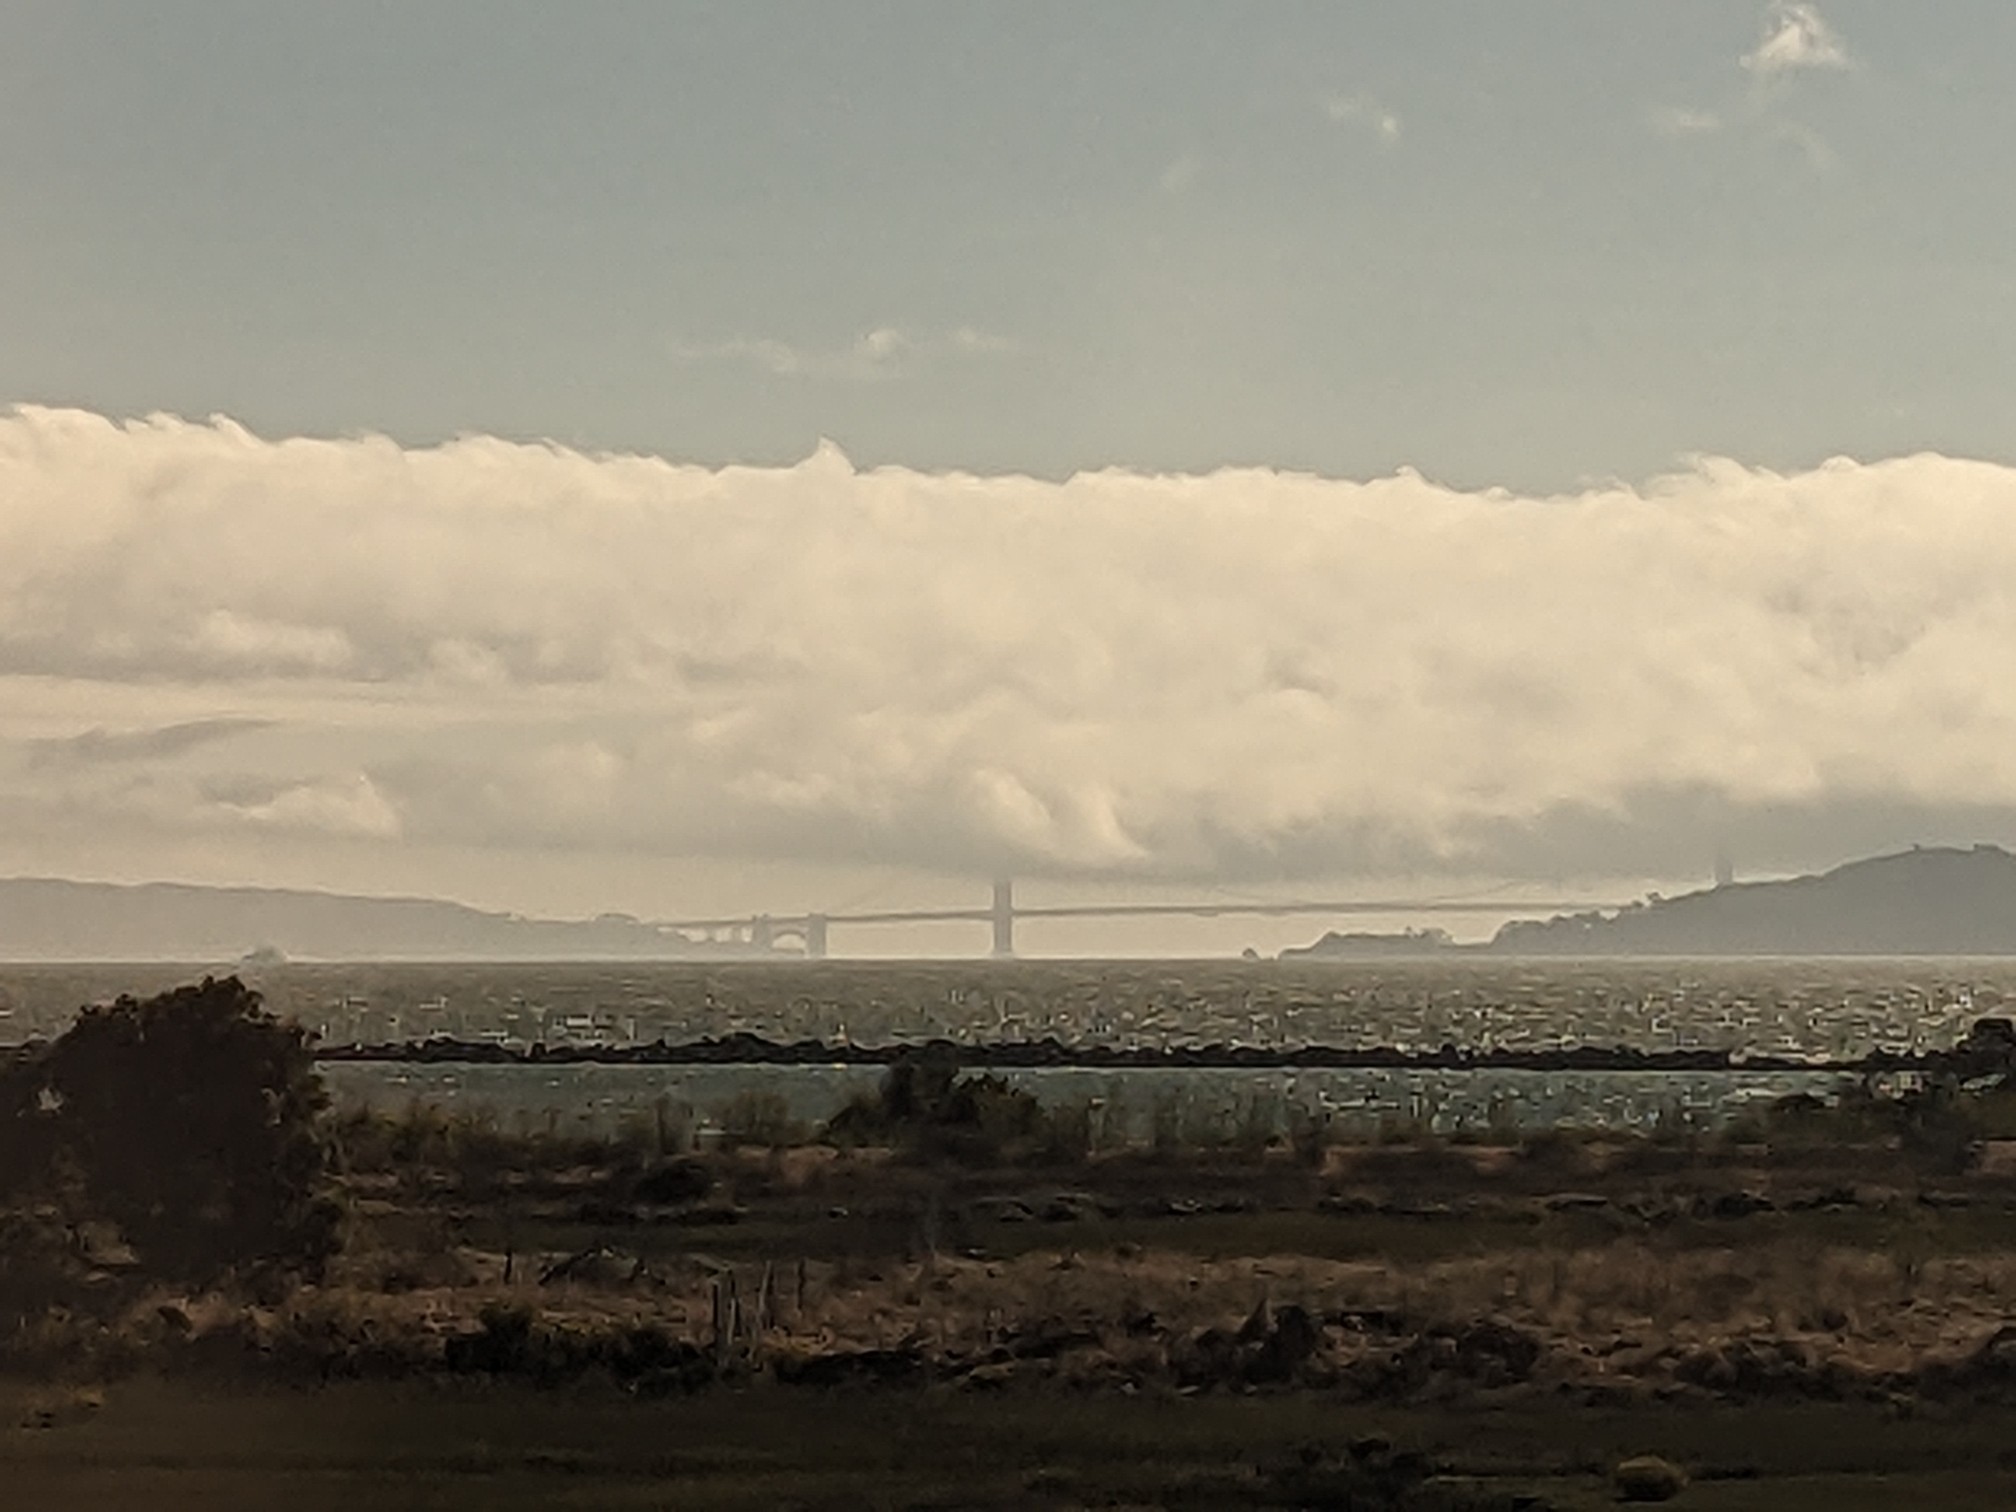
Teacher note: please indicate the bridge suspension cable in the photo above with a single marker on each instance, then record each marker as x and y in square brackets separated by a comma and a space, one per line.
[1002, 912]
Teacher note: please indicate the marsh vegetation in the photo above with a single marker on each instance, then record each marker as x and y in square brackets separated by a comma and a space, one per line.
[950, 1243]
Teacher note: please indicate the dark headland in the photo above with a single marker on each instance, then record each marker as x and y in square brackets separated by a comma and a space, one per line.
[1924, 901]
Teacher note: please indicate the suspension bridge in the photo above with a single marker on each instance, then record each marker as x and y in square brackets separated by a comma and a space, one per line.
[808, 933]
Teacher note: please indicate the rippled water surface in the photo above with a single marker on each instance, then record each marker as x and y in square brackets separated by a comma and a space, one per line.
[1835, 1008]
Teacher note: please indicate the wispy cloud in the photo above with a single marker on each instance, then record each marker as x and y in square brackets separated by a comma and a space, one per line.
[875, 356]
[98, 745]
[1365, 111]
[1796, 39]
[871, 357]
[982, 343]
[1679, 121]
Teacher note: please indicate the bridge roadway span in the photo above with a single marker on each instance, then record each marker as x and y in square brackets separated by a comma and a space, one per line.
[766, 931]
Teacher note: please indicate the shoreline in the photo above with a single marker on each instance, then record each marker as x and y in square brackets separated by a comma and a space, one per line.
[1051, 1053]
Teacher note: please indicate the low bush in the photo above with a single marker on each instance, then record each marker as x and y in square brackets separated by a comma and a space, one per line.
[926, 1109]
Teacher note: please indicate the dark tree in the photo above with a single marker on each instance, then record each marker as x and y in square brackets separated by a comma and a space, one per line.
[925, 1104]
[191, 1121]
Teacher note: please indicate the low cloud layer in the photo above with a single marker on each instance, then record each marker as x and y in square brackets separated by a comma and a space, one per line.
[1242, 675]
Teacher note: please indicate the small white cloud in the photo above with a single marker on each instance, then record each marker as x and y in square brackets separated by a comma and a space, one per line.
[1678, 121]
[1364, 110]
[884, 344]
[355, 809]
[1796, 38]
[1180, 175]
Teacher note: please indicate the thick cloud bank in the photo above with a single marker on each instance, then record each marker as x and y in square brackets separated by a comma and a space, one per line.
[1248, 673]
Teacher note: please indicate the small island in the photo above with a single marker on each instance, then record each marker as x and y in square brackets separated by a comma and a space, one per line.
[1363, 944]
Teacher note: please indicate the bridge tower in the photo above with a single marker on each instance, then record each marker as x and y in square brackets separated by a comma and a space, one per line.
[1002, 916]
[815, 937]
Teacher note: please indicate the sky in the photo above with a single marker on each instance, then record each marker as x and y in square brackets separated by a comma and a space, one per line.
[676, 458]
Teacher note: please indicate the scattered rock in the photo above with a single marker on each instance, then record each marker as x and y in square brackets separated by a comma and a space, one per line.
[1648, 1478]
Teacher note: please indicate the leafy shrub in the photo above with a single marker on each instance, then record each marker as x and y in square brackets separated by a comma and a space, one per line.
[673, 1182]
[190, 1121]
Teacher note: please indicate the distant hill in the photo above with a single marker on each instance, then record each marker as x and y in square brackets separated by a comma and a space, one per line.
[1931, 901]
[48, 920]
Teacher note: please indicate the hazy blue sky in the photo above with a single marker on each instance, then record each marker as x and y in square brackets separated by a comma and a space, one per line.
[1521, 244]
[1537, 333]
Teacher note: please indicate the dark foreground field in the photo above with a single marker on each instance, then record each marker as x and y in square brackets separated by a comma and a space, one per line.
[948, 1297]
[151, 1445]
[1400, 1329]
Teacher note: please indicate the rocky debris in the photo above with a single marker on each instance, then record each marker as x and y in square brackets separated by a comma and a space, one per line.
[1273, 1347]
[1648, 1478]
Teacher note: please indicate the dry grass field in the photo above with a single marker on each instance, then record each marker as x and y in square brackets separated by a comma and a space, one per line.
[1805, 1326]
